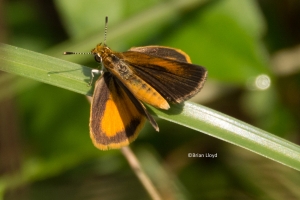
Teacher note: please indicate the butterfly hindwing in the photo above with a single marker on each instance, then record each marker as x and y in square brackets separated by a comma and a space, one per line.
[116, 115]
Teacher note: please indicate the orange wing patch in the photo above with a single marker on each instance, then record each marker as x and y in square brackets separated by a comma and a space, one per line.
[115, 119]
[119, 111]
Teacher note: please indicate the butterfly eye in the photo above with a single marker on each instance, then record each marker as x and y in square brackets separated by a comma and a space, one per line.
[98, 58]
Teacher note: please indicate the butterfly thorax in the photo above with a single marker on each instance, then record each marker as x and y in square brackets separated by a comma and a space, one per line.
[111, 61]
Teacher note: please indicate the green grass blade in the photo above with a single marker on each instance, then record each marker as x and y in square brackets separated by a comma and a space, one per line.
[75, 77]
[45, 69]
[234, 131]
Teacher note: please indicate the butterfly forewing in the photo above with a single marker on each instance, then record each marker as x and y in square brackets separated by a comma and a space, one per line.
[176, 81]
[164, 52]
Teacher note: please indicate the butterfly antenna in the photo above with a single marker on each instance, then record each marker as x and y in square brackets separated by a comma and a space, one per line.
[70, 53]
[105, 30]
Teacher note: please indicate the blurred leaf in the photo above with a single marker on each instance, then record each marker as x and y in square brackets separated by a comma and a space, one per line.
[216, 34]
[224, 41]
[194, 116]
[82, 18]
[128, 31]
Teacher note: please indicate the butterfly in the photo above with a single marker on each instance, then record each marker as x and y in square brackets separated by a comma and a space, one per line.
[155, 75]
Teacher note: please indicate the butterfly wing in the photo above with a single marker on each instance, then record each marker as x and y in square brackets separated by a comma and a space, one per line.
[172, 76]
[116, 115]
[164, 52]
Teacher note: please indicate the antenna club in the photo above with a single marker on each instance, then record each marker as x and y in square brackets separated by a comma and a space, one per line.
[68, 53]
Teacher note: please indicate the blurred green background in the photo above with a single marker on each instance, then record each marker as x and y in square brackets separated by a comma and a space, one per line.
[251, 50]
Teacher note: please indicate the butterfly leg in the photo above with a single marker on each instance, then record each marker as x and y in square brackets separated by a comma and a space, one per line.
[93, 72]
